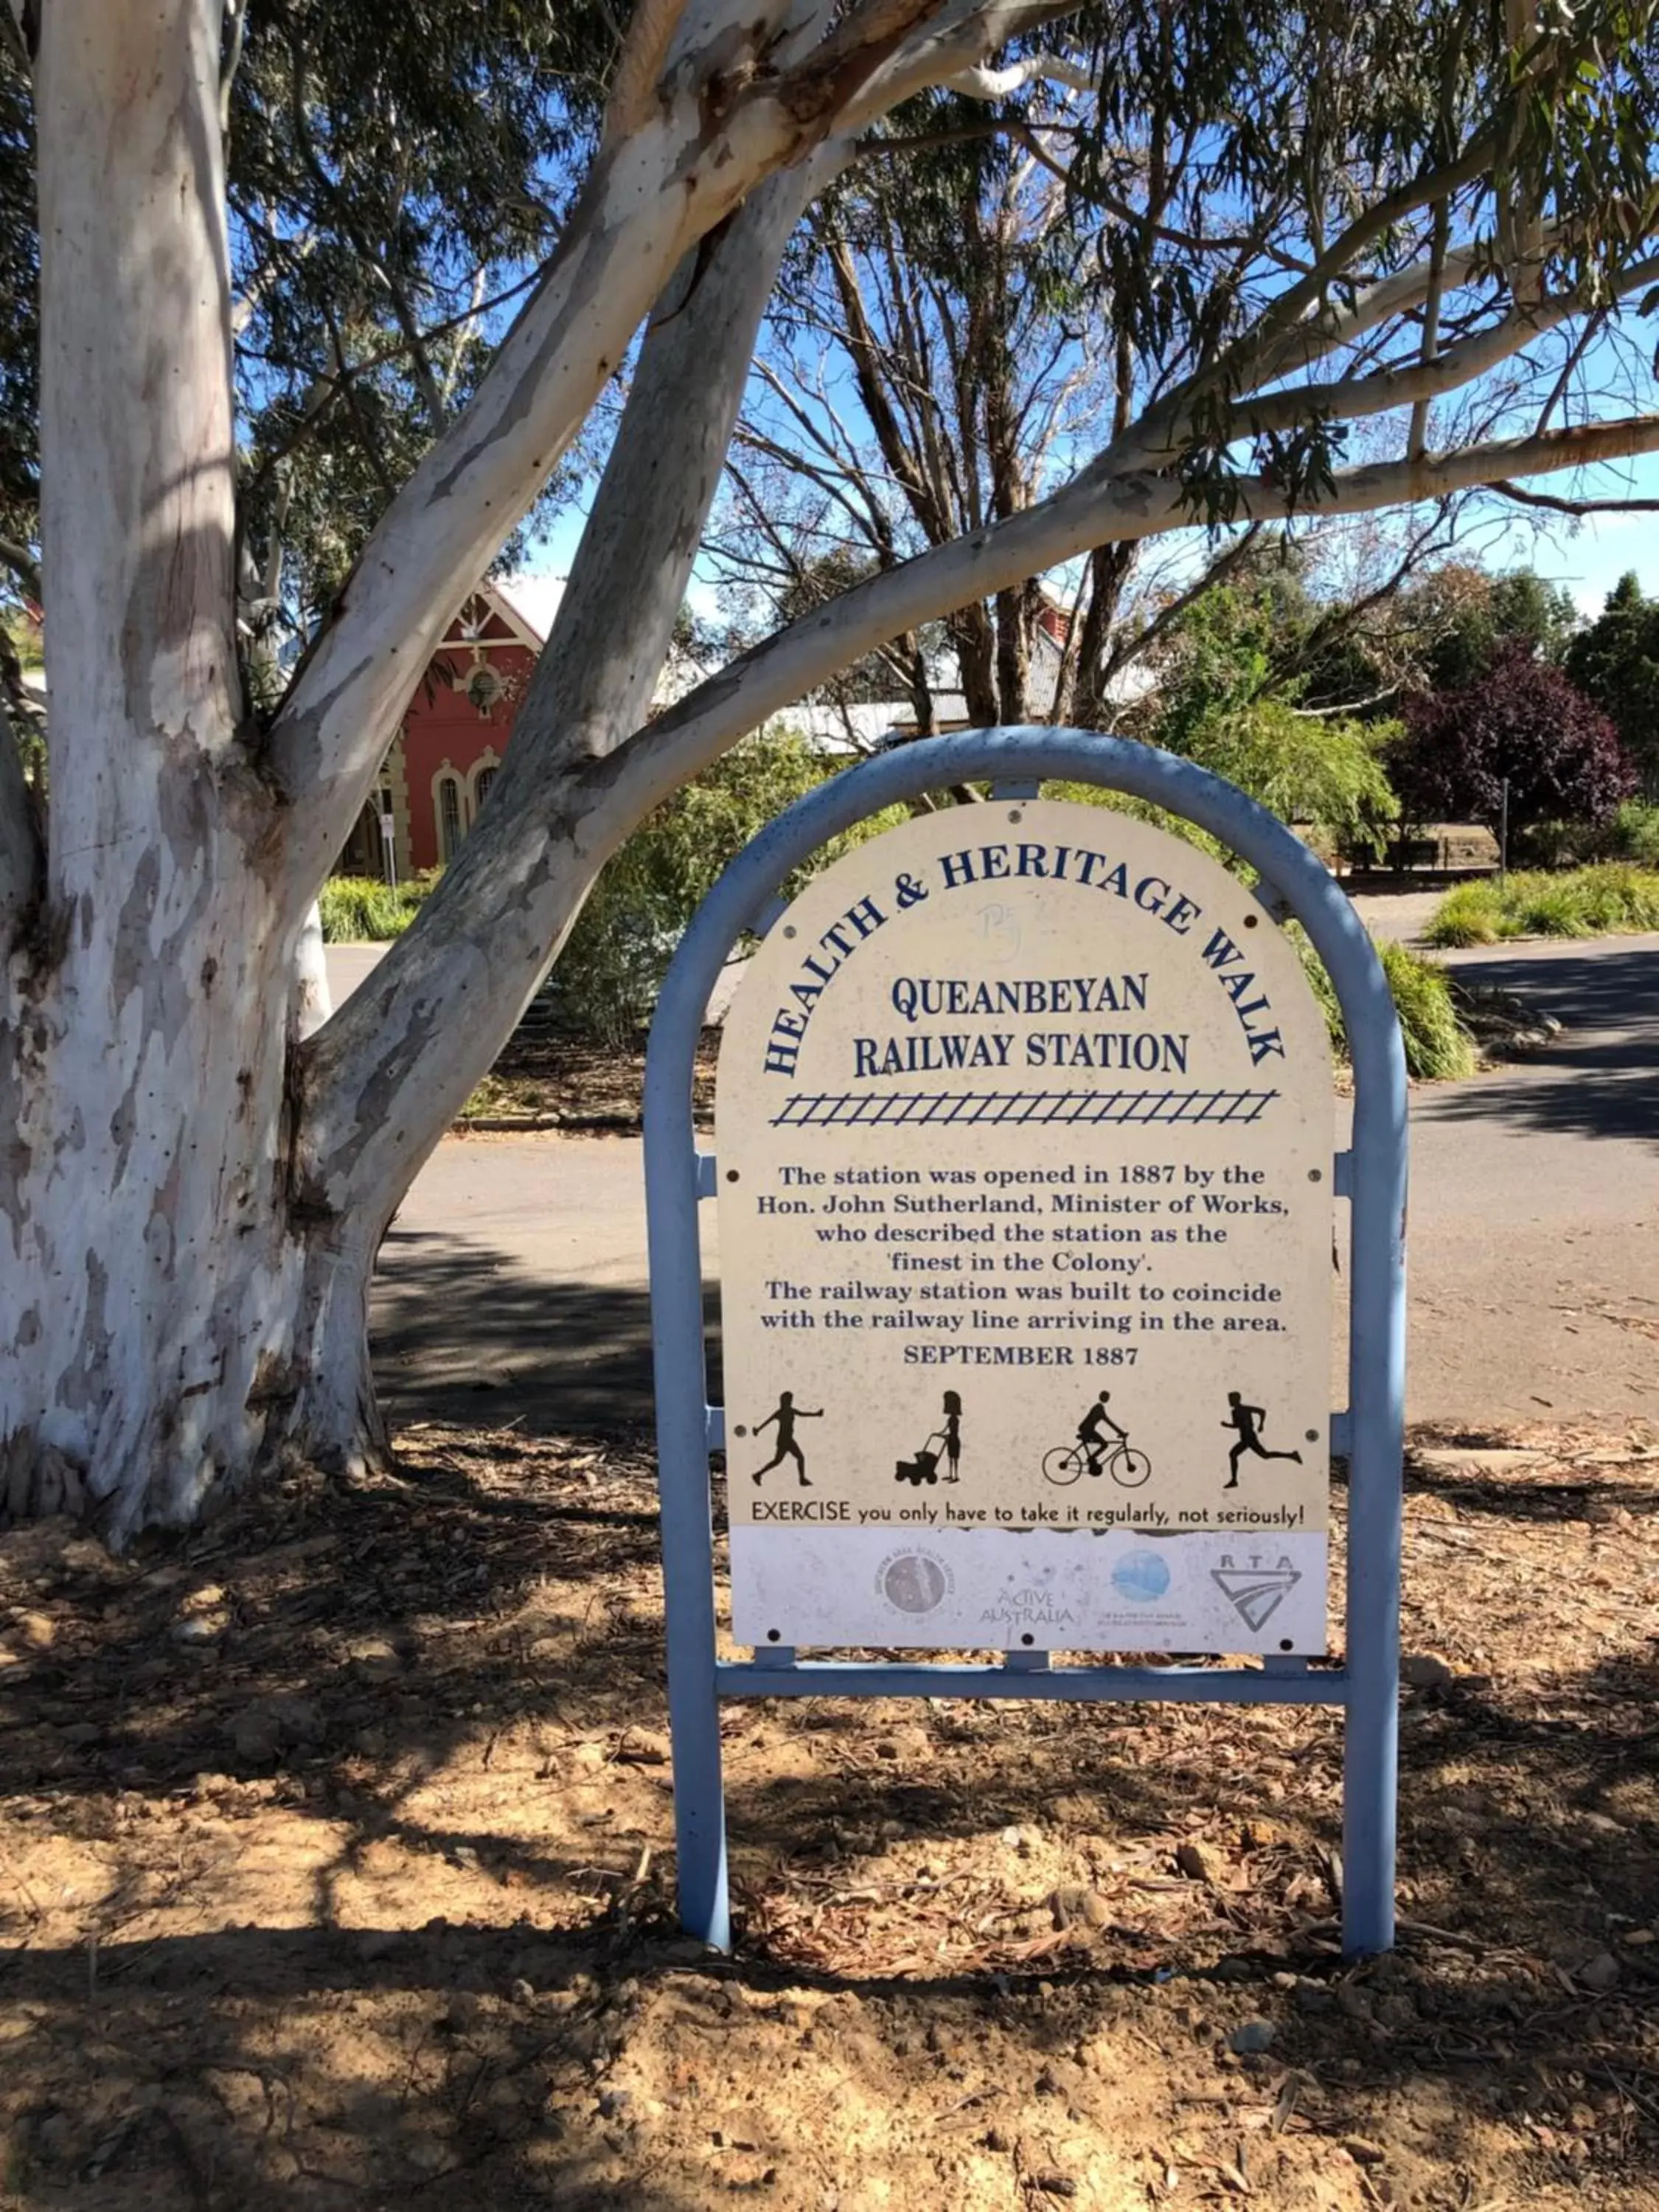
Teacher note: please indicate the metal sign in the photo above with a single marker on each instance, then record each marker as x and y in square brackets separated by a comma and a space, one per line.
[1025, 1119]
[1026, 1168]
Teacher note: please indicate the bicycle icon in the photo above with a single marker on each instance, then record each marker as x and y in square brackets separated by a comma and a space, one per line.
[1128, 1468]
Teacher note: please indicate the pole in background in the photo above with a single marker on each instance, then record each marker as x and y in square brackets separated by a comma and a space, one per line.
[1503, 838]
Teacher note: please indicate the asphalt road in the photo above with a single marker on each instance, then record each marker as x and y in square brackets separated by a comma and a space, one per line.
[513, 1284]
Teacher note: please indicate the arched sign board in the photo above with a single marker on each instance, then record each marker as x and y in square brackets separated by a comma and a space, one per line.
[1027, 1183]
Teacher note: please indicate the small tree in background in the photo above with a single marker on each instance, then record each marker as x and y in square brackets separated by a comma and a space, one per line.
[1221, 704]
[1524, 720]
[1615, 663]
[1468, 620]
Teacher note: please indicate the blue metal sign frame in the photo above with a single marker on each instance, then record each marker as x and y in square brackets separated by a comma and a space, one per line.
[1372, 1177]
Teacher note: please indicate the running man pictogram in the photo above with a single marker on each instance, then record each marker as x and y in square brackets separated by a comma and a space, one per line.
[789, 1413]
[1247, 1420]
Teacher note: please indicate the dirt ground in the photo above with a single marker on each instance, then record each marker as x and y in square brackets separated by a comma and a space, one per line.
[550, 1082]
[336, 1845]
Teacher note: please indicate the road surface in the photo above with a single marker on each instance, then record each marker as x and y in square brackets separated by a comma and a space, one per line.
[513, 1284]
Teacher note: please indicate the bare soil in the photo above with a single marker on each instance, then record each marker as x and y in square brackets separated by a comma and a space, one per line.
[549, 1082]
[335, 1850]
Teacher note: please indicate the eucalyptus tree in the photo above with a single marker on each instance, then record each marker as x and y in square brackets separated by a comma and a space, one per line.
[1431, 204]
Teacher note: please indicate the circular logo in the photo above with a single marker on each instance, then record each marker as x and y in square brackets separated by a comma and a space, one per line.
[1142, 1575]
[913, 1581]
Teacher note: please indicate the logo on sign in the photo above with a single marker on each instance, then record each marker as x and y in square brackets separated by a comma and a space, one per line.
[1141, 1576]
[915, 1581]
[1256, 1592]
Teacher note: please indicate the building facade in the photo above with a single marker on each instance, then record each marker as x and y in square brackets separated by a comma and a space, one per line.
[453, 736]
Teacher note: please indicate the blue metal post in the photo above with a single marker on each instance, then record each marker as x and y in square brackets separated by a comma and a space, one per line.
[674, 1251]
[1372, 1425]
[1376, 1402]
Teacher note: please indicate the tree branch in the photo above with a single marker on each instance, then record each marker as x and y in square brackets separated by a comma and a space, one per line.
[985, 83]
[485, 937]
[1126, 654]
[633, 80]
[23, 566]
[647, 198]
[235, 36]
[1558, 506]
[682, 740]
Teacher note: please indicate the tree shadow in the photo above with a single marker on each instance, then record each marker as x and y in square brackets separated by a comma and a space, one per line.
[455, 1329]
[1587, 1493]
[1596, 1078]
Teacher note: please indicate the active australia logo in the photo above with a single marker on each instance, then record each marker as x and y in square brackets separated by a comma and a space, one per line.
[1257, 1589]
[915, 1581]
[1035, 1607]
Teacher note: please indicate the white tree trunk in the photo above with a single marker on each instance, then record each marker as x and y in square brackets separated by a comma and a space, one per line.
[148, 1274]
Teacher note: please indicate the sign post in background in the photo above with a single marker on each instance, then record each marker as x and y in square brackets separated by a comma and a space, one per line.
[1026, 1165]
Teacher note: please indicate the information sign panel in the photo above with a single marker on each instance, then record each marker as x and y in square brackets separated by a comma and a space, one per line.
[1024, 1123]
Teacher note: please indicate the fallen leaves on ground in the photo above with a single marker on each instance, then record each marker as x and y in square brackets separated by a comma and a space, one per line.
[336, 1860]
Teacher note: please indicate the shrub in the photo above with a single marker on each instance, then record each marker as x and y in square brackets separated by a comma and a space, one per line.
[1632, 835]
[363, 910]
[1609, 899]
[1522, 722]
[607, 978]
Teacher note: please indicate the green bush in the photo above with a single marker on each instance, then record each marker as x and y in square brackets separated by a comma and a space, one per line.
[605, 982]
[1613, 897]
[362, 910]
[1438, 1046]
[1632, 835]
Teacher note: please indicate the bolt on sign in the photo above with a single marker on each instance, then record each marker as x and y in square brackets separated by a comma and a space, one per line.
[1024, 1121]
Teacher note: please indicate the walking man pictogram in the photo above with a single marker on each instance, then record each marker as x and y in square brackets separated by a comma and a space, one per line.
[1247, 1420]
[786, 1415]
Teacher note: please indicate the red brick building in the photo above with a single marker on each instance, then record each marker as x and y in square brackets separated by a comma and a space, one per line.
[444, 759]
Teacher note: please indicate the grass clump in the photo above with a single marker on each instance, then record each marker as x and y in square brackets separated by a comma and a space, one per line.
[363, 910]
[1612, 898]
[1439, 1048]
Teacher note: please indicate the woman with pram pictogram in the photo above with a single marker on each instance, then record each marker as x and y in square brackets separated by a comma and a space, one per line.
[924, 1467]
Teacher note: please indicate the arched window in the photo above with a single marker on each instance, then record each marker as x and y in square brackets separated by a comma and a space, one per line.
[449, 816]
[481, 784]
